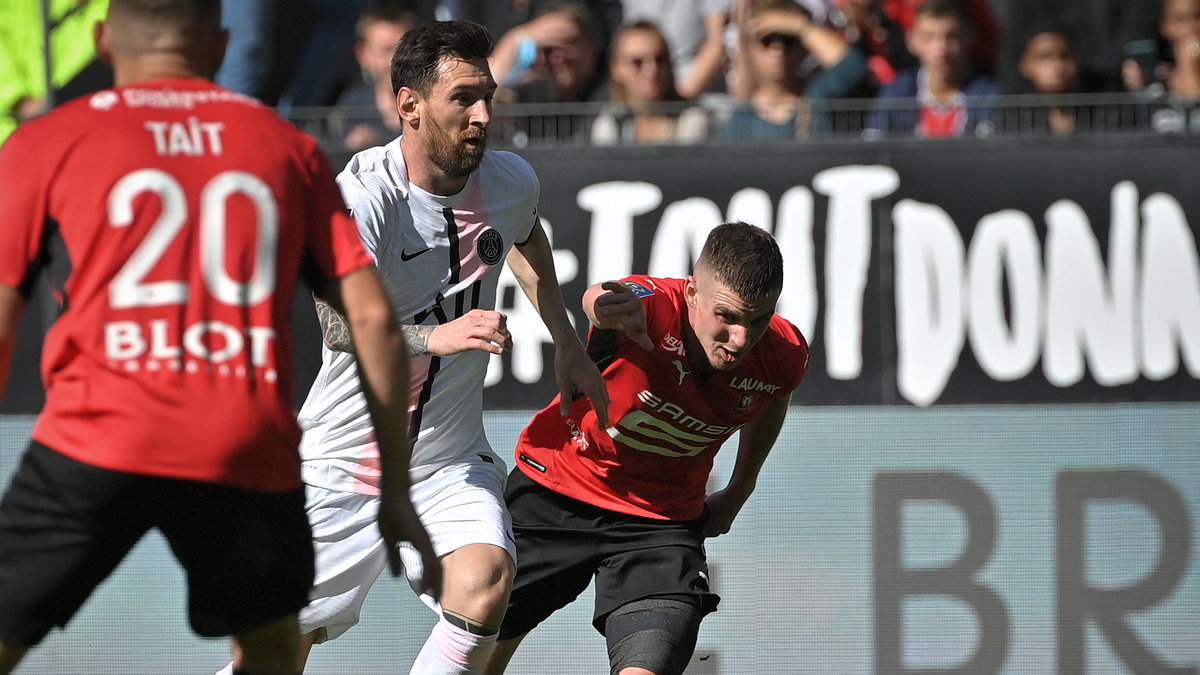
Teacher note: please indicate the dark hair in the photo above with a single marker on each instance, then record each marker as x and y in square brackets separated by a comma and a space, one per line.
[945, 8]
[745, 258]
[617, 93]
[175, 11]
[383, 14]
[757, 7]
[1048, 26]
[578, 13]
[415, 63]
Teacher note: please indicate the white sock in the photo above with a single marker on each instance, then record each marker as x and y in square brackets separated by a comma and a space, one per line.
[450, 650]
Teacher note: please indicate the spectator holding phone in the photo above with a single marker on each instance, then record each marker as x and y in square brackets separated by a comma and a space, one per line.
[1173, 85]
[1180, 27]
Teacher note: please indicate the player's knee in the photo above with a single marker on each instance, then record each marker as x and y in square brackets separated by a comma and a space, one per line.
[658, 634]
[487, 592]
[482, 587]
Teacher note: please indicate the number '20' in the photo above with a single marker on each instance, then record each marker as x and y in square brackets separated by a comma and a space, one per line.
[129, 287]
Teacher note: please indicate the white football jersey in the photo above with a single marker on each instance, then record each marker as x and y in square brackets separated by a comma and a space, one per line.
[439, 258]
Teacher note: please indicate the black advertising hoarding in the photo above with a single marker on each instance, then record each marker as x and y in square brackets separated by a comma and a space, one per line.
[1048, 270]
[922, 273]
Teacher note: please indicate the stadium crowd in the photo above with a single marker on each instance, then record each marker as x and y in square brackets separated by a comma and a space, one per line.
[613, 72]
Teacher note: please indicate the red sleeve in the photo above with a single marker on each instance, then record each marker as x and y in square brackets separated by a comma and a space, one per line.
[22, 209]
[333, 239]
[796, 347]
[653, 292]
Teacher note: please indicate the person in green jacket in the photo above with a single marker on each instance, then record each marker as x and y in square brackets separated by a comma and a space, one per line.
[22, 57]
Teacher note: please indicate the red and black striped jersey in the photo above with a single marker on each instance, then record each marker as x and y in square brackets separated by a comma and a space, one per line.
[667, 421]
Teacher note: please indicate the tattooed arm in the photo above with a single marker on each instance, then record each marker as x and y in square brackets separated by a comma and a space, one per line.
[336, 333]
[416, 338]
[334, 330]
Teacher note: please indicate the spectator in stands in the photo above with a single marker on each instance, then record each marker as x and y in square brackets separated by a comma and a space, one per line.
[246, 68]
[77, 71]
[501, 16]
[1050, 66]
[555, 57]
[1180, 75]
[880, 28]
[368, 109]
[1105, 31]
[1171, 85]
[289, 53]
[695, 31]
[878, 35]
[645, 100]
[945, 89]
[782, 100]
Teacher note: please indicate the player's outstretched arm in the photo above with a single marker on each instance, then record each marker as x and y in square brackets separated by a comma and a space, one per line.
[756, 440]
[532, 263]
[383, 372]
[11, 306]
[480, 329]
[614, 306]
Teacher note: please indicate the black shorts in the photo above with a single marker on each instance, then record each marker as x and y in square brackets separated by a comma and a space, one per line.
[65, 525]
[563, 543]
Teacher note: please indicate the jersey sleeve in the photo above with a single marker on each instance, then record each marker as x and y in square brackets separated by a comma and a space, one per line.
[654, 297]
[794, 348]
[333, 240]
[535, 191]
[366, 206]
[23, 213]
[526, 183]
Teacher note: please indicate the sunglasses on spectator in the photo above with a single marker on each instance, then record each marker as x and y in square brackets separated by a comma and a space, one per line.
[783, 39]
[638, 62]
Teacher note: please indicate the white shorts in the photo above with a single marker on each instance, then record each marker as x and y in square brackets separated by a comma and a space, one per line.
[460, 504]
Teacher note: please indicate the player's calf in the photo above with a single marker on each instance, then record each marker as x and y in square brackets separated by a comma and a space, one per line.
[455, 646]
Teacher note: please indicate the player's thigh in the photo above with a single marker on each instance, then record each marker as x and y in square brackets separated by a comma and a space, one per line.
[653, 558]
[556, 553]
[64, 526]
[462, 505]
[350, 557]
[248, 554]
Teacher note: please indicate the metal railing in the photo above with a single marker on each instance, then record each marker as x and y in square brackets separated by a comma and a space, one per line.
[540, 125]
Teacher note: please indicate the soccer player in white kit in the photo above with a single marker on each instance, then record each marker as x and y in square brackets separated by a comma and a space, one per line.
[440, 215]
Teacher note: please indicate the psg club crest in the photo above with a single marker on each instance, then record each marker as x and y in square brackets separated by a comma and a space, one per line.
[490, 246]
[746, 402]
